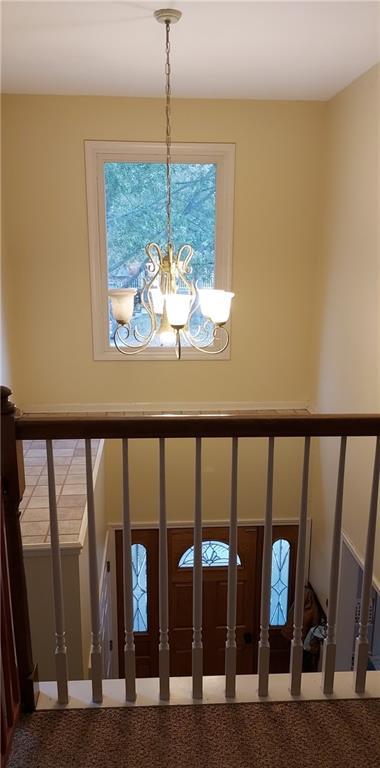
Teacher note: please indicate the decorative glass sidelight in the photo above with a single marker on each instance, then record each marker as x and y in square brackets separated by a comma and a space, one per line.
[279, 583]
[139, 587]
[214, 555]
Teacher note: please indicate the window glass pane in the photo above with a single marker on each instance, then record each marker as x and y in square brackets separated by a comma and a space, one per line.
[135, 205]
[139, 587]
[214, 554]
[279, 582]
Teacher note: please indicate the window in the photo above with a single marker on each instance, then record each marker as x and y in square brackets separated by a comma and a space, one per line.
[139, 588]
[279, 583]
[126, 210]
[214, 554]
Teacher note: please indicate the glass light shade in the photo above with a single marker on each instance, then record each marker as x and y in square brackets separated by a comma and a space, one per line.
[165, 332]
[122, 304]
[167, 338]
[157, 300]
[215, 304]
[178, 308]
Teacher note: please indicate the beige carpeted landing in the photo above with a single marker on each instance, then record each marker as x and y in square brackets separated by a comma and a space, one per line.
[319, 734]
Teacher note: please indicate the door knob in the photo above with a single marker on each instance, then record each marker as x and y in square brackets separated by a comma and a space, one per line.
[247, 638]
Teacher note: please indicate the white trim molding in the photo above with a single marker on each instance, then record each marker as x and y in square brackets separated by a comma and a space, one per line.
[97, 153]
[360, 561]
[214, 691]
[153, 524]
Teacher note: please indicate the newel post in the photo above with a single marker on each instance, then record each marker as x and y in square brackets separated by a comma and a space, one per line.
[12, 486]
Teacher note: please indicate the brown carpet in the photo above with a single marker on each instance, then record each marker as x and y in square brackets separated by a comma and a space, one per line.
[341, 734]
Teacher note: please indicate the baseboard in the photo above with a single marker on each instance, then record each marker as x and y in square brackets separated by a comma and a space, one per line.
[80, 694]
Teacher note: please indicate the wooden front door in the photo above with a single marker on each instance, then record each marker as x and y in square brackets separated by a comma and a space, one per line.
[215, 580]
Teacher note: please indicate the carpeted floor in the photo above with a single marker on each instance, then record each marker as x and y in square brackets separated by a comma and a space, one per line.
[339, 734]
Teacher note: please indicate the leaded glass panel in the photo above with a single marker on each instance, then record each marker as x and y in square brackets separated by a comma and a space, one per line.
[214, 554]
[139, 588]
[279, 582]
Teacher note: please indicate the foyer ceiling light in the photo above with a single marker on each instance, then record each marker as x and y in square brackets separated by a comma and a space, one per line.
[169, 296]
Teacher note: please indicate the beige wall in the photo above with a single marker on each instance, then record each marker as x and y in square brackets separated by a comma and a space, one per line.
[5, 372]
[279, 148]
[347, 321]
[306, 310]
[216, 467]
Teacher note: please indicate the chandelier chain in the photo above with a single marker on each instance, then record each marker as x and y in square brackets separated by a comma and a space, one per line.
[168, 137]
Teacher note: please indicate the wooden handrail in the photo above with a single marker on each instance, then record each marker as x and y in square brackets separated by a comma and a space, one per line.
[229, 424]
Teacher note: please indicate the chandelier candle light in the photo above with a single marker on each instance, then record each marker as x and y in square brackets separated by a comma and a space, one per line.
[169, 296]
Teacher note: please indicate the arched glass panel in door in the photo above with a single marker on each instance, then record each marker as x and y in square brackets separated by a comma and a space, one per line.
[214, 555]
[139, 588]
[278, 611]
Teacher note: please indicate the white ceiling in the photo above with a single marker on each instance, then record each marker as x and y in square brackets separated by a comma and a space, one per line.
[265, 50]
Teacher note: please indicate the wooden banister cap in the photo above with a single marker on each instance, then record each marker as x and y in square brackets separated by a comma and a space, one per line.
[6, 405]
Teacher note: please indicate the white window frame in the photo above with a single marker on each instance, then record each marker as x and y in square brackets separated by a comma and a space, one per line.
[99, 152]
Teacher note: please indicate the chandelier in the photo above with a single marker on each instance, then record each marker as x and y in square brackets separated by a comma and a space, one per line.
[176, 308]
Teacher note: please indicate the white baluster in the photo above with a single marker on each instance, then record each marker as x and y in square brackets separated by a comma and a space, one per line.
[197, 647]
[60, 647]
[96, 649]
[164, 668]
[362, 645]
[230, 654]
[129, 645]
[264, 648]
[296, 655]
[329, 645]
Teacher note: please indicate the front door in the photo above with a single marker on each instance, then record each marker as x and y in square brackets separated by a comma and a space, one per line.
[215, 582]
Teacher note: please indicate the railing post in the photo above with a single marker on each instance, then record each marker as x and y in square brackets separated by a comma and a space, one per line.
[12, 480]
[96, 648]
[329, 645]
[197, 648]
[129, 643]
[362, 645]
[59, 622]
[296, 653]
[230, 652]
[264, 648]
[164, 666]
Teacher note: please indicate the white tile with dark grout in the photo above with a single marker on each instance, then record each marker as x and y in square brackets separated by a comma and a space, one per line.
[70, 480]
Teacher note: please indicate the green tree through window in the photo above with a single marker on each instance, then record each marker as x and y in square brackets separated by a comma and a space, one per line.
[135, 205]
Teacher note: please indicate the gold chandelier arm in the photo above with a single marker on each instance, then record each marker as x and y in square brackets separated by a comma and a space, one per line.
[201, 329]
[195, 305]
[129, 349]
[155, 264]
[148, 306]
[205, 349]
[122, 345]
[182, 276]
[187, 259]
